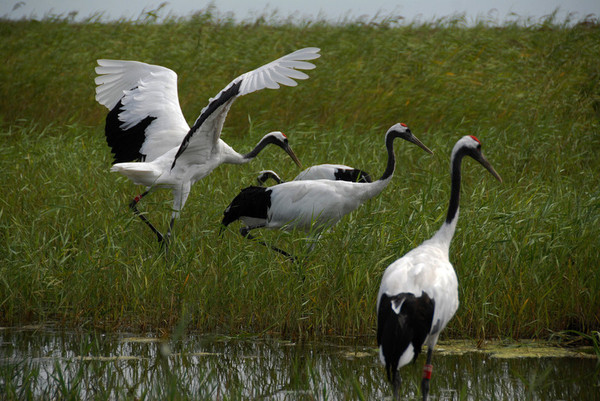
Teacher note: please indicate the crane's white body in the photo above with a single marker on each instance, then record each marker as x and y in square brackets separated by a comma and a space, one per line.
[311, 204]
[426, 268]
[159, 174]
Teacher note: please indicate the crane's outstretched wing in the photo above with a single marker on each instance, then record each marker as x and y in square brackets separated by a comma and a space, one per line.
[206, 131]
[145, 118]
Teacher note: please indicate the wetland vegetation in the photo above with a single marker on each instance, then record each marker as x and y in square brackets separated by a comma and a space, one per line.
[526, 251]
[39, 363]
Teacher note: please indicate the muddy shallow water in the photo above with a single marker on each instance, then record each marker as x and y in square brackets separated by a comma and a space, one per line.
[43, 364]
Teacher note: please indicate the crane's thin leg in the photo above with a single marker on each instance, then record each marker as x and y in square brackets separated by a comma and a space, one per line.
[133, 206]
[396, 382]
[167, 238]
[313, 239]
[171, 224]
[245, 231]
[427, 369]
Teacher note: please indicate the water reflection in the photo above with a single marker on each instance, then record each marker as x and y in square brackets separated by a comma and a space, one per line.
[57, 365]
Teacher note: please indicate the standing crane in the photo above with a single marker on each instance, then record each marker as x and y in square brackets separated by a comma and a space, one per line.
[152, 143]
[419, 292]
[311, 204]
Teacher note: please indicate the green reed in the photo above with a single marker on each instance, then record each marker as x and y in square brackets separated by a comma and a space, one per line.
[525, 250]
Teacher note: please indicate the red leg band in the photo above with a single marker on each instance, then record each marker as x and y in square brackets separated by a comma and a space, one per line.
[137, 198]
[427, 369]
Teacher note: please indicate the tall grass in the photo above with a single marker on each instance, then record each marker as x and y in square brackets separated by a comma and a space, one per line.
[526, 251]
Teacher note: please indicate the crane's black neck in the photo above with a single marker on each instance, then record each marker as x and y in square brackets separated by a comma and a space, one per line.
[391, 163]
[455, 188]
[260, 146]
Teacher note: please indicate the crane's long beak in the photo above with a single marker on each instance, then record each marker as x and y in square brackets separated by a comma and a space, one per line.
[290, 152]
[420, 144]
[485, 163]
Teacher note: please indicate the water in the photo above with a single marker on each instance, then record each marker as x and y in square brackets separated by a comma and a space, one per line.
[41, 364]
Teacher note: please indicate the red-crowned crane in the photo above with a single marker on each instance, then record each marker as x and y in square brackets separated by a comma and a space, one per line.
[152, 143]
[419, 292]
[334, 172]
[311, 204]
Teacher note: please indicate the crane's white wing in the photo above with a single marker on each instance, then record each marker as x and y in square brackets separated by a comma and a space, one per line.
[146, 96]
[206, 131]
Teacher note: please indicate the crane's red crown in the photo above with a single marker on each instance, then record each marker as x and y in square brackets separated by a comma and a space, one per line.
[404, 125]
[475, 138]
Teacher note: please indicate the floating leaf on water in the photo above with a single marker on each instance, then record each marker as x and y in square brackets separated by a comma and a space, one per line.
[205, 354]
[537, 351]
[32, 327]
[355, 354]
[141, 340]
[455, 348]
[526, 349]
[111, 358]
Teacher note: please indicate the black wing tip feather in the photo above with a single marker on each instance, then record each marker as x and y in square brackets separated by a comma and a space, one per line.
[353, 175]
